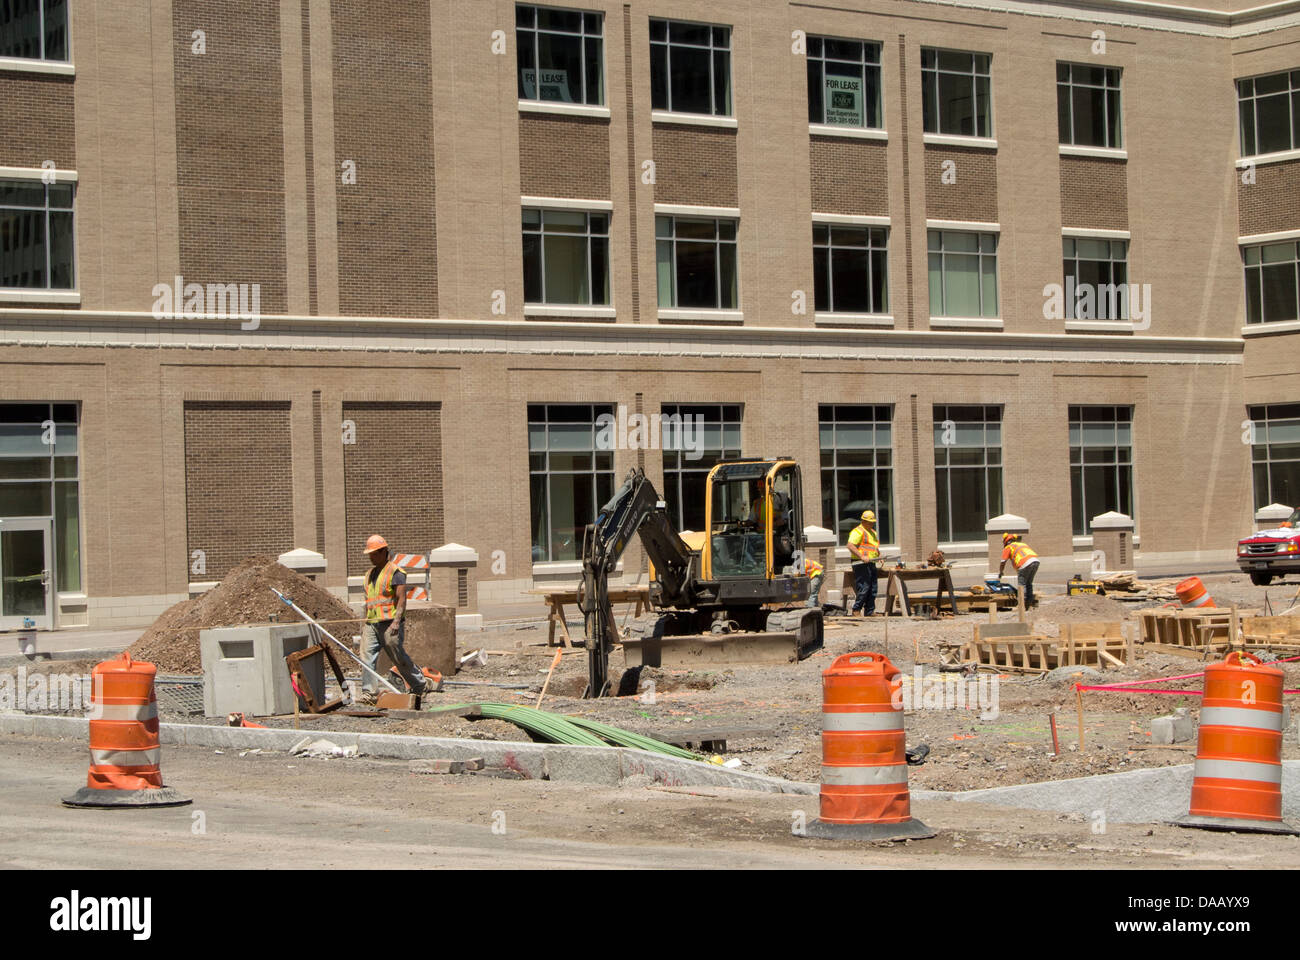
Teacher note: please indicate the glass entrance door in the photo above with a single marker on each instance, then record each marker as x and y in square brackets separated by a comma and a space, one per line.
[26, 590]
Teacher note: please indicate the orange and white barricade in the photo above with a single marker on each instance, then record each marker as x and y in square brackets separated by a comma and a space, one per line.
[864, 791]
[1237, 780]
[1192, 593]
[125, 754]
[414, 563]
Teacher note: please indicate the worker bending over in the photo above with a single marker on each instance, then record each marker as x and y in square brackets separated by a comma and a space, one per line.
[1024, 558]
[864, 545]
[385, 625]
[816, 573]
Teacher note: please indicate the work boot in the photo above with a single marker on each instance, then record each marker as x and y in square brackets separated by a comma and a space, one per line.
[367, 698]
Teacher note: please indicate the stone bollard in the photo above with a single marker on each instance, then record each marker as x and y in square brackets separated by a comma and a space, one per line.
[1112, 544]
[453, 569]
[1006, 523]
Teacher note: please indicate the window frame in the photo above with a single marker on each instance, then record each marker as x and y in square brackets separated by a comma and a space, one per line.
[931, 78]
[992, 415]
[712, 48]
[981, 256]
[1257, 268]
[67, 31]
[675, 475]
[1292, 94]
[882, 415]
[866, 63]
[718, 243]
[1121, 414]
[1263, 416]
[547, 472]
[871, 232]
[1070, 84]
[47, 210]
[1074, 258]
[588, 237]
[535, 31]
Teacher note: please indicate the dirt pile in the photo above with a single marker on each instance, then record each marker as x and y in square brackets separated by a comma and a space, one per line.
[1079, 609]
[243, 597]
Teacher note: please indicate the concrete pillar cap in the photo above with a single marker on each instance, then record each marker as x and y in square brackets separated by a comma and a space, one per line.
[1274, 511]
[818, 536]
[304, 559]
[453, 555]
[1111, 520]
[1007, 523]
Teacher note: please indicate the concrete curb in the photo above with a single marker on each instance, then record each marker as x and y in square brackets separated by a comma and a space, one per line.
[44, 656]
[607, 766]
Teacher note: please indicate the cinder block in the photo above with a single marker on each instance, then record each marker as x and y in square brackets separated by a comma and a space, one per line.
[244, 669]
[441, 766]
[1177, 727]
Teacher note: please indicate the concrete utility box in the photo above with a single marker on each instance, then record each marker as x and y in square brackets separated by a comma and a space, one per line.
[1112, 538]
[819, 544]
[307, 562]
[430, 638]
[453, 572]
[1006, 523]
[1268, 518]
[244, 669]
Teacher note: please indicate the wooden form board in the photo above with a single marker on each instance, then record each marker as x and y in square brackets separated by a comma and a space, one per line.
[1190, 630]
[1011, 647]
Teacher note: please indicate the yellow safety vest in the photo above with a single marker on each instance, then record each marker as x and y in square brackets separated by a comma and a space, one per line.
[872, 540]
[1020, 553]
[812, 567]
[381, 596]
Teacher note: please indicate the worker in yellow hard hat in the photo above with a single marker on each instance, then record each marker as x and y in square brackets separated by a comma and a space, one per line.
[1024, 559]
[864, 546]
[385, 625]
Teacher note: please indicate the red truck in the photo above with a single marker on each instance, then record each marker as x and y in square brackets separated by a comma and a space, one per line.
[1271, 553]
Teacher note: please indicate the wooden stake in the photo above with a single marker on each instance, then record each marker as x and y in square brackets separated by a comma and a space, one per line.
[1234, 630]
[993, 611]
[1020, 602]
[886, 630]
[1078, 696]
[1056, 743]
[554, 663]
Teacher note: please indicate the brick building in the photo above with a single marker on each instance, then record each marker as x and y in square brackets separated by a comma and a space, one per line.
[282, 274]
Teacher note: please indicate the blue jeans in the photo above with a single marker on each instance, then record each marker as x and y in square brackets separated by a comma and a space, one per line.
[864, 578]
[376, 636]
[1025, 578]
[814, 590]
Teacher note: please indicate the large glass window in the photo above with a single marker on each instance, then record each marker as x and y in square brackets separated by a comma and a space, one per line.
[690, 67]
[40, 476]
[1269, 111]
[34, 29]
[963, 274]
[967, 469]
[570, 476]
[716, 436]
[1096, 279]
[1275, 455]
[566, 257]
[1101, 463]
[1272, 282]
[697, 262]
[843, 82]
[561, 55]
[956, 93]
[1088, 105]
[857, 463]
[850, 269]
[36, 248]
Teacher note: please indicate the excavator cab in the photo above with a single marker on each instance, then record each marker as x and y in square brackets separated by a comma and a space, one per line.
[753, 517]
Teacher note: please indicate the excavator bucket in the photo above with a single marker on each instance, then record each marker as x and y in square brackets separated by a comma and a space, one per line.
[792, 635]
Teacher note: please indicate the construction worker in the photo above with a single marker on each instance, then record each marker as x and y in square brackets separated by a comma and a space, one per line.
[385, 626]
[864, 546]
[816, 573]
[1024, 558]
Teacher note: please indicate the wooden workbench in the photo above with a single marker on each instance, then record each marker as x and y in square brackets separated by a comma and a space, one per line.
[899, 579]
[556, 599]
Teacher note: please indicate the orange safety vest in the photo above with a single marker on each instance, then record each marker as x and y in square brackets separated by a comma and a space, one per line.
[812, 567]
[381, 596]
[1019, 553]
[872, 539]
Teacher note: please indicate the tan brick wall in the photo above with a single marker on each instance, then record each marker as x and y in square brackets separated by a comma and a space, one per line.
[392, 478]
[849, 176]
[37, 121]
[1272, 202]
[230, 160]
[383, 120]
[695, 165]
[1094, 193]
[563, 157]
[238, 482]
[974, 195]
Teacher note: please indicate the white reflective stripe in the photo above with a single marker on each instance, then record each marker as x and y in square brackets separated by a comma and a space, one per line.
[1239, 770]
[124, 711]
[878, 720]
[1241, 717]
[864, 776]
[1200, 601]
[126, 758]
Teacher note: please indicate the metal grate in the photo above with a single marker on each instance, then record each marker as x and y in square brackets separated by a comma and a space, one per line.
[179, 694]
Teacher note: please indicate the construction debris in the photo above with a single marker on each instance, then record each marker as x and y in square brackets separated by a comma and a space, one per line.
[446, 766]
[307, 747]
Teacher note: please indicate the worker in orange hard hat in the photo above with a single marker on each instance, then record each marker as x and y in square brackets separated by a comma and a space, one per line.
[1024, 559]
[385, 626]
[864, 546]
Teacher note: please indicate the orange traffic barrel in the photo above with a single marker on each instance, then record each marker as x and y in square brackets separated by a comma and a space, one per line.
[864, 758]
[124, 748]
[1237, 780]
[1192, 593]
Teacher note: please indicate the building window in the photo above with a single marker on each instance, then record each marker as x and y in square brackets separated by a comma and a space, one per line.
[566, 48]
[857, 467]
[713, 437]
[566, 257]
[570, 478]
[690, 67]
[850, 269]
[967, 470]
[697, 262]
[1096, 279]
[844, 82]
[1101, 463]
[1275, 454]
[963, 274]
[40, 477]
[34, 29]
[956, 92]
[36, 248]
[1269, 110]
[1272, 282]
[1087, 105]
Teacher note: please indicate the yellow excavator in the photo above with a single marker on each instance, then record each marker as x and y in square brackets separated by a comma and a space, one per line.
[733, 592]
